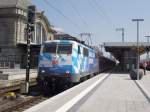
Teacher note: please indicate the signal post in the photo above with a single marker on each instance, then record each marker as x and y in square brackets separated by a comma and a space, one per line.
[30, 29]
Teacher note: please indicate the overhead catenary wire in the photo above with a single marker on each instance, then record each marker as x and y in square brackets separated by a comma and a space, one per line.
[97, 11]
[103, 12]
[77, 12]
[95, 5]
[62, 14]
[81, 17]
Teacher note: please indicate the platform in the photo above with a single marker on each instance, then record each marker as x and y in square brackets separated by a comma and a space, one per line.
[11, 77]
[117, 93]
[146, 81]
[14, 74]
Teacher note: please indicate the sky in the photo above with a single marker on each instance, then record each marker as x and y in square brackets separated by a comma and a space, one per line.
[98, 17]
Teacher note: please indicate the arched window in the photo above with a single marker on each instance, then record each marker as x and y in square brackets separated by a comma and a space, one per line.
[3, 34]
[44, 36]
[25, 34]
[40, 33]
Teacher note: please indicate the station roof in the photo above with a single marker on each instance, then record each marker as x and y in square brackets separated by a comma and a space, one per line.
[126, 44]
[117, 48]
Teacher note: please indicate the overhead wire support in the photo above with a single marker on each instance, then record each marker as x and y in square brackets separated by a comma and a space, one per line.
[61, 13]
[88, 38]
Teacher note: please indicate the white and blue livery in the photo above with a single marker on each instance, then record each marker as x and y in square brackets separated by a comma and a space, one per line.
[66, 60]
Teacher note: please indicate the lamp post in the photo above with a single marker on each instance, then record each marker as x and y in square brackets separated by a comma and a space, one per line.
[122, 30]
[137, 20]
[147, 42]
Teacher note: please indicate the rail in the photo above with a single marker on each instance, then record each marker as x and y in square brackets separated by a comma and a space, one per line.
[15, 87]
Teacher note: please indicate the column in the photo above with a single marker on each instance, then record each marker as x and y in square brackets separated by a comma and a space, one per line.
[41, 33]
[35, 34]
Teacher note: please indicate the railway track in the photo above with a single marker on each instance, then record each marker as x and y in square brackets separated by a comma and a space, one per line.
[7, 105]
[15, 87]
[20, 104]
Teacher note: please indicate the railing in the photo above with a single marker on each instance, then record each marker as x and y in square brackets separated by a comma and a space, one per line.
[10, 61]
[7, 64]
[15, 61]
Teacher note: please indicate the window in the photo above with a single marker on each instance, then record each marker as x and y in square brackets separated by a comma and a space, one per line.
[0, 50]
[44, 36]
[41, 34]
[38, 33]
[49, 48]
[3, 34]
[79, 50]
[64, 49]
[1, 64]
[85, 52]
[59, 48]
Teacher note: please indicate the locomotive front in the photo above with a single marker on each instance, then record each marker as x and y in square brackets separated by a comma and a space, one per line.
[55, 61]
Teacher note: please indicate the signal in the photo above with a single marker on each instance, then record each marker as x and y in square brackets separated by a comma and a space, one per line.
[31, 16]
[30, 29]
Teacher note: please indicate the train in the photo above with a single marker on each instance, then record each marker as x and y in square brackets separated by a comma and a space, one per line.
[68, 62]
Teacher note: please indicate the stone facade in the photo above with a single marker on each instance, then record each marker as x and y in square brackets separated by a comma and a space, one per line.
[13, 22]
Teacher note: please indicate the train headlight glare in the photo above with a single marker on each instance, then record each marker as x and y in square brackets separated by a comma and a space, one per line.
[67, 72]
[43, 71]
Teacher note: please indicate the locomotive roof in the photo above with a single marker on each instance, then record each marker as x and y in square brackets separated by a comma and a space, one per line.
[71, 41]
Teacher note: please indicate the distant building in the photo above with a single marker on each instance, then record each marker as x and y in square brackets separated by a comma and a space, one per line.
[13, 22]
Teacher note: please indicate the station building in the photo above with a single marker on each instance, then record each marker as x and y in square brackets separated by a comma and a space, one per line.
[13, 36]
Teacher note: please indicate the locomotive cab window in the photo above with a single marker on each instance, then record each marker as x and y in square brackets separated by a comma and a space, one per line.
[58, 48]
[64, 49]
[49, 48]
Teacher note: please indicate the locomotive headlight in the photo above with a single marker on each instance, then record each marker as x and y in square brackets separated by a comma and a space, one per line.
[43, 71]
[67, 72]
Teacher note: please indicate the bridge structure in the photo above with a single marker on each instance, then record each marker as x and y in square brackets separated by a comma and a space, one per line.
[126, 52]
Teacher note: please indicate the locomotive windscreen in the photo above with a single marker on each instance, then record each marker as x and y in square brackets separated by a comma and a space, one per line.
[57, 48]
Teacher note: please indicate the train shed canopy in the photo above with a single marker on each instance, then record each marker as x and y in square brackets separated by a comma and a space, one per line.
[126, 52]
[116, 48]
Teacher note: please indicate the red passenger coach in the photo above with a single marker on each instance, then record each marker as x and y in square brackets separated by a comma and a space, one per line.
[105, 63]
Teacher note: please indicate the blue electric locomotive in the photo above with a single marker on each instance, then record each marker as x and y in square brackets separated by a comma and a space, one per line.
[67, 61]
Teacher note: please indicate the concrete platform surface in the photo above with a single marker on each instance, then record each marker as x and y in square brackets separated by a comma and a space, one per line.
[145, 81]
[16, 74]
[55, 103]
[117, 94]
[11, 77]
